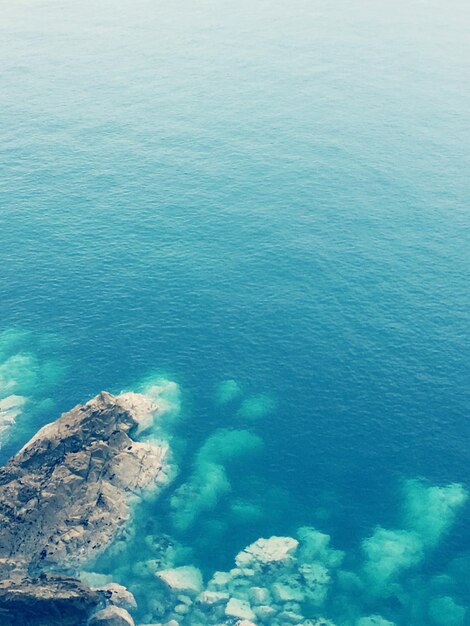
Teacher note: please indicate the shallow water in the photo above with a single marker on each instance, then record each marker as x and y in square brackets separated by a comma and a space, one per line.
[271, 194]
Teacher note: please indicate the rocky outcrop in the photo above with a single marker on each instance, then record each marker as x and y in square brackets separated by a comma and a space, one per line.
[45, 601]
[63, 498]
[66, 494]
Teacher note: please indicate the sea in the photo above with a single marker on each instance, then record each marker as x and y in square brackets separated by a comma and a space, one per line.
[265, 207]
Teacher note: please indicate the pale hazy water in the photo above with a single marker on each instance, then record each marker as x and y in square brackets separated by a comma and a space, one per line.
[275, 193]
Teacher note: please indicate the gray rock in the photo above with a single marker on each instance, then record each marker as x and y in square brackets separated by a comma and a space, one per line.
[112, 616]
[45, 601]
[117, 595]
[66, 494]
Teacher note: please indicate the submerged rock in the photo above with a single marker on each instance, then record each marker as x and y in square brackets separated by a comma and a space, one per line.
[45, 601]
[263, 552]
[240, 609]
[66, 494]
[117, 595]
[186, 579]
[112, 616]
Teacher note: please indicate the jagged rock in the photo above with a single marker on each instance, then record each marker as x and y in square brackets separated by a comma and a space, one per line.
[45, 601]
[66, 494]
[112, 616]
[118, 596]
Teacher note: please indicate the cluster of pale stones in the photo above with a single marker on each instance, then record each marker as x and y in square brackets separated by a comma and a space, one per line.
[272, 583]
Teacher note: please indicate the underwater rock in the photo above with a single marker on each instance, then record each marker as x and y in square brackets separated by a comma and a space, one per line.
[186, 579]
[271, 585]
[67, 493]
[111, 616]
[315, 546]
[240, 609]
[118, 595]
[211, 598]
[227, 391]
[373, 620]
[444, 611]
[264, 552]
[45, 601]
[257, 407]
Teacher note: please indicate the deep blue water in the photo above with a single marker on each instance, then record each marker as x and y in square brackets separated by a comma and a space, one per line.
[275, 193]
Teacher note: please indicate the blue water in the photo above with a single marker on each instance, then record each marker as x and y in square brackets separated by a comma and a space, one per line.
[275, 193]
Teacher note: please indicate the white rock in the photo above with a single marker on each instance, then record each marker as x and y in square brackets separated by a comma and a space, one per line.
[239, 608]
[186, 579]
[219, 580]
[248, 572]
[212, 597]
[245, 622]
[276, 550]
[236, 572]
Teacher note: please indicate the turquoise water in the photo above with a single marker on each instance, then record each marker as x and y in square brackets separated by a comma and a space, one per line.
[270, 193]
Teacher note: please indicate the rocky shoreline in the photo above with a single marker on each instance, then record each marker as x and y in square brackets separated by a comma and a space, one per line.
[63, 498]
[69, 494]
